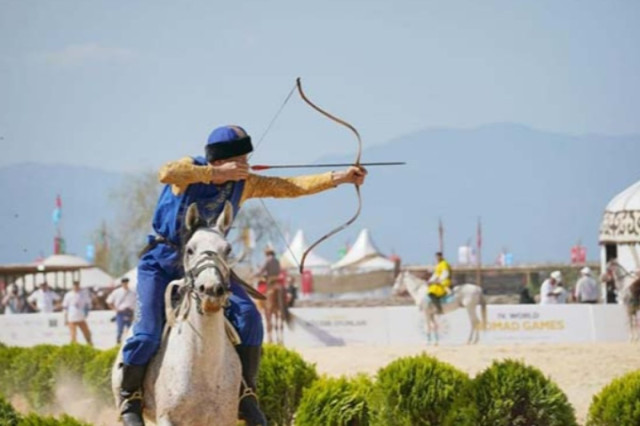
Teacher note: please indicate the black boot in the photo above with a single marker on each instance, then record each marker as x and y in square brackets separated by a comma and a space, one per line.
[249, 410]
[131, 394]
[436, 301]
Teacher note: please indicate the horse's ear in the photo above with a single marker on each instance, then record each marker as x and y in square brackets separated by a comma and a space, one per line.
[226, 218]
[192, 218]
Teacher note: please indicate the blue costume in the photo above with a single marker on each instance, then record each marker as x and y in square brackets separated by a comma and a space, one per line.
[163, 264]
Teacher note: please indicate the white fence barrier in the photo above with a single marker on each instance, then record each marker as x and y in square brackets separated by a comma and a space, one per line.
[396, 325]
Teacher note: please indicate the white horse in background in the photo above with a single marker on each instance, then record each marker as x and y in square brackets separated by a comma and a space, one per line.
[468, 296]
[625, 280]
[195, 377]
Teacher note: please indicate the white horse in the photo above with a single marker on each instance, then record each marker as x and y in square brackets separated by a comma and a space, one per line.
[467, 296]
[195, 377]
[625, 280]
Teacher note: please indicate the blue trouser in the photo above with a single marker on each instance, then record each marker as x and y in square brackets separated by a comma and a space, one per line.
[156, 269]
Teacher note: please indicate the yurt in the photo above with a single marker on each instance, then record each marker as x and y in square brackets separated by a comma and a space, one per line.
[89, 276]
[620, 229]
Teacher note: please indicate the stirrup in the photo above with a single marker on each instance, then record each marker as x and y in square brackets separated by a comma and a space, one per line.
[136, 396]
[247, 391]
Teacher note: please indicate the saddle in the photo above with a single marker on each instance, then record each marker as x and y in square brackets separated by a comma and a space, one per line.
[444, 300]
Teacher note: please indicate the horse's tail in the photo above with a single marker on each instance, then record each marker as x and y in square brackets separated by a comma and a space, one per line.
[483, 311]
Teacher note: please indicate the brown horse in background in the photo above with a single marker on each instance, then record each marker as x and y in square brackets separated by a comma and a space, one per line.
[275, 310]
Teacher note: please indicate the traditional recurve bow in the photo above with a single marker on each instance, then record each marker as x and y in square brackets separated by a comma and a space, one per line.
[356, 163]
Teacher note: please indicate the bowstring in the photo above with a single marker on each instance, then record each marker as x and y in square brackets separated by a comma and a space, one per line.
[273, 120]
[264, 205]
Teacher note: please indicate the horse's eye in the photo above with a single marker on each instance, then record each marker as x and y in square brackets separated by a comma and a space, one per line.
[189, 251]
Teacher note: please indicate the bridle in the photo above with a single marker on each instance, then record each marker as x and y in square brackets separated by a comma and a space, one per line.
[187, 290]
[619, 272]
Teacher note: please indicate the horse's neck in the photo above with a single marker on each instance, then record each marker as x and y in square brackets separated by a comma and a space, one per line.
[416, 288]
[204, 337]
[623, 282]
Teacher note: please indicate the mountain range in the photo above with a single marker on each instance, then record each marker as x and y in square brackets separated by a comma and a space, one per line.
[536, 194]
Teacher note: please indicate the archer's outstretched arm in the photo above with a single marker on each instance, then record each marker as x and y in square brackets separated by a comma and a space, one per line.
[257, 186]
[291, 187]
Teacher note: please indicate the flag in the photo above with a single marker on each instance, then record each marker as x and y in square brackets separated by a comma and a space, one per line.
[57, 212]
[56, 216]
[91, 253]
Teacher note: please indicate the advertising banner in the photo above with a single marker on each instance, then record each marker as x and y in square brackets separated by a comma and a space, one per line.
[393, 325]
[337, 327]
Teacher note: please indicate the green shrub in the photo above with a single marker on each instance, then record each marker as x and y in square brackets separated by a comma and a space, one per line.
[36, 369]
[37, 420]
[336, 402]
[72, 359]
[282, 377]
[417, 390]
[509, 393]
[97, 374]
[618, 403]
[7, 366]
[33, 374]
[8, 415]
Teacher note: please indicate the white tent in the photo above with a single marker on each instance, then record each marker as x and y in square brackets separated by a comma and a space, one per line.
[620, 229]
[292, 256]
[364, 256]
[89, 277]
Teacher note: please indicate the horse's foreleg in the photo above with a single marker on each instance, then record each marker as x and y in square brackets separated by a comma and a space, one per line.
[267, 317]
[474, 322]
[435, 329]
[427, 327]
[279, 329]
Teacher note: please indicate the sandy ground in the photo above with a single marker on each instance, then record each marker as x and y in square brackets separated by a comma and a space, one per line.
[581, 370]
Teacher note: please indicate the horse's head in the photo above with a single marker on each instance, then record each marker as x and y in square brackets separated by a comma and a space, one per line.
[205, 258]
[399, 287]
[622, 277]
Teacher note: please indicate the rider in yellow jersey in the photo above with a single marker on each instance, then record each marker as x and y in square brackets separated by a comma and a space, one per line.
[440, 281]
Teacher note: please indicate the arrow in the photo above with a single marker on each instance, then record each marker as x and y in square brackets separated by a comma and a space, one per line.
[300, 166]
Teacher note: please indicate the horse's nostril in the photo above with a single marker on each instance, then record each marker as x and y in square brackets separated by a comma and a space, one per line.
[219, 291]
[201, 288]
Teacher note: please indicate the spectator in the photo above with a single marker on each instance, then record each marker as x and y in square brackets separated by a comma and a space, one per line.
[561, 293]
[525, 295]
[292, 292]
[548, 290]
[76, 305]
[123, 301]
[13, 302]
[44, 300]
[586, 287]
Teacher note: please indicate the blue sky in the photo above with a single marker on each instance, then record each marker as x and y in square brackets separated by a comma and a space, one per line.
[125, 86]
